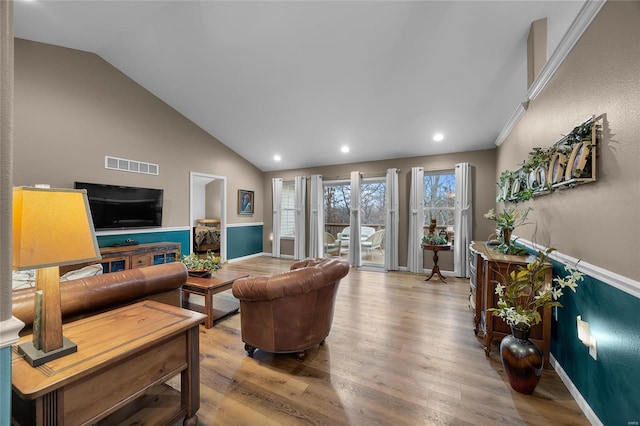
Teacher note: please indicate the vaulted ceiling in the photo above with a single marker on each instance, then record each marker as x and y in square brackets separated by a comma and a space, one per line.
[301, 79]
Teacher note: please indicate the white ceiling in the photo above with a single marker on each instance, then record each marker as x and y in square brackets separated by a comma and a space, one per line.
[302, 78]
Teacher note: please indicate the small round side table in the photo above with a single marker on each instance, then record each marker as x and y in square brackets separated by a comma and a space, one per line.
[436, 249]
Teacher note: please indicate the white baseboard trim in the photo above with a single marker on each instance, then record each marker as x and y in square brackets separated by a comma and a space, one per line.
[250, 256]
[9, 330]
[240, 225]
[142, 230]
[625, 284]
[582, 403]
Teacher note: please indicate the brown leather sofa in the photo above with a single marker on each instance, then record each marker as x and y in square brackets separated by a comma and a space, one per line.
[87, 296]
[292, 311]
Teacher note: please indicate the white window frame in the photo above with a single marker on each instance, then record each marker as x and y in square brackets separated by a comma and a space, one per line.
[288, 210]
[428, 209]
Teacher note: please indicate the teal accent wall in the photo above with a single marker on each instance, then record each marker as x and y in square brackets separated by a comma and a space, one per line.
[181, 237]
[244, 241]
[5, 386]
[610, 384]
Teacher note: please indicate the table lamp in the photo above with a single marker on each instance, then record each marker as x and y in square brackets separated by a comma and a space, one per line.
[51, 228]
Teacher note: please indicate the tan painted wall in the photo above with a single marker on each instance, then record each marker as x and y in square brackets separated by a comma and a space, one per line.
[72, 108]
[598, 222]
[483, 199]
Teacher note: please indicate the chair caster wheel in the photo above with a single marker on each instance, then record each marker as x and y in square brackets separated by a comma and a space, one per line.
[250, 350]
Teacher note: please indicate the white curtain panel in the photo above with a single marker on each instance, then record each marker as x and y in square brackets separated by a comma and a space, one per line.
[391, 222]
[316, 217]
[463, 217]
[300, 243]
[355, 251]
[276, 184]
[416, 220]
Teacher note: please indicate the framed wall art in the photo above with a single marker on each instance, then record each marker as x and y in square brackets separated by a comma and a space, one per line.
[569, 162]
[245, 202]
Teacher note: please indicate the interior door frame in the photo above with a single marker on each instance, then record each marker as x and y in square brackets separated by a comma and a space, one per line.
[197, 183]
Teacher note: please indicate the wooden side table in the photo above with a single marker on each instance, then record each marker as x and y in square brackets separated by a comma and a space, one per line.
[436, 249]
[219, 281]
[124, 355]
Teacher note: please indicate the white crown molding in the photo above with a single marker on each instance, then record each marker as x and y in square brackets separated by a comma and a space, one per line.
[625, 284]
[585, 16]
[9, 330]
[583, 19]
[513, 120]
[582, 403]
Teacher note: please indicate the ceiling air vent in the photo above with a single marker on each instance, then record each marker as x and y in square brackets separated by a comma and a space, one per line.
[135, 166]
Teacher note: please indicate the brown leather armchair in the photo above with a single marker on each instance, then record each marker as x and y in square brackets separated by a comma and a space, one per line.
[292, 311]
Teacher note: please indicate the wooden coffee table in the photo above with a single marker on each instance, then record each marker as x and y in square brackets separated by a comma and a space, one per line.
[220, 281]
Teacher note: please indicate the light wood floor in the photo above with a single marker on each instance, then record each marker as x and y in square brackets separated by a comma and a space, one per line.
[401, 352]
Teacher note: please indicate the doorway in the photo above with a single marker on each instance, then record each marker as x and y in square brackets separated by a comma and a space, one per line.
[337, 196]
[207, 200]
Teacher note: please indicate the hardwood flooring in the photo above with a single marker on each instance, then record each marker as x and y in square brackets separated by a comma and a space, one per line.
[401, 352]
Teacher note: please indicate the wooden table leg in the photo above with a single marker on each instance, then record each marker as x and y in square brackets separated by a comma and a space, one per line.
[208, 309]
[436, 268]
[190, 378]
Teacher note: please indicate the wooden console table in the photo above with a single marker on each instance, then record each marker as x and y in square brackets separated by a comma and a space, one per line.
[488, 267]
[124, 358]
[219, 281]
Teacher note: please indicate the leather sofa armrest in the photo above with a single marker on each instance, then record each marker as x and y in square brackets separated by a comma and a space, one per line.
[305, 276]
[308, 262]
[284, 284]
[91, 294]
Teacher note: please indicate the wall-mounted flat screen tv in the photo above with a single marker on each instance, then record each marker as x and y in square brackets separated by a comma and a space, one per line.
[123, 207]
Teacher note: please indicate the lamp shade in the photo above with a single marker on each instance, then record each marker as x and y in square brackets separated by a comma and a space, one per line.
[52, 227]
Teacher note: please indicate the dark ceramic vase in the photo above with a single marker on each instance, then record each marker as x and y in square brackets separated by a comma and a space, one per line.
[522, 360]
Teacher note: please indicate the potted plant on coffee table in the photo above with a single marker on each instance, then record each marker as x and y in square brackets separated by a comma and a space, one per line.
[202, 266]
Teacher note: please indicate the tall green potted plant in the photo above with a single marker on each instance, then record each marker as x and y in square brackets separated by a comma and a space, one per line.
[521, 296]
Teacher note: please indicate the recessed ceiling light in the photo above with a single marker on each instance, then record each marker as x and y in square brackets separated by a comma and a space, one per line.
[438, 137]
[344, 149]
[277, 157]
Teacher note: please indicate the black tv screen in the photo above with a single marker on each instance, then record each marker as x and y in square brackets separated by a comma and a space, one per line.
[122, 207]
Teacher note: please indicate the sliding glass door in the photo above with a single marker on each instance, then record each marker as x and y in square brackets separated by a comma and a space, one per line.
[337, 212]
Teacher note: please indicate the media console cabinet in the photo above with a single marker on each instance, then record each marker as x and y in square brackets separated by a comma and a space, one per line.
[123, 257]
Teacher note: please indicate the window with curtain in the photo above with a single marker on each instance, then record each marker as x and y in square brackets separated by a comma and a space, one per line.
[440, 198]
[288, 210]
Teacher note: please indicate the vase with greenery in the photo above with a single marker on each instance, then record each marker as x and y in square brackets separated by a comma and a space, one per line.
[202, 266]
[434, 240]
[506, 221]
[521, 296]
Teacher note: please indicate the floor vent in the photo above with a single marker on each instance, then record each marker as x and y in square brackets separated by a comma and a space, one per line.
[122, 164]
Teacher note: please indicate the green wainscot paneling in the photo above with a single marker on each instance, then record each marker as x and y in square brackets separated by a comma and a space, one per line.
[179, 236]
[610, 384]
[244, 241]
